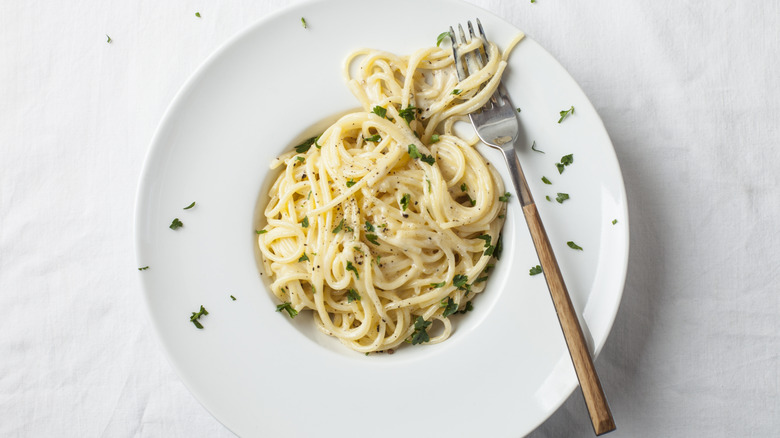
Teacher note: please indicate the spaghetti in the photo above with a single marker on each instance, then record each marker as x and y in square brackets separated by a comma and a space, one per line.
[388, 221]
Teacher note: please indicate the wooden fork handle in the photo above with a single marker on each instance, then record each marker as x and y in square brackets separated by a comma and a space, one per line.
[596, 401]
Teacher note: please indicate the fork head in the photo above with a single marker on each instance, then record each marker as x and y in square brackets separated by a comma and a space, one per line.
[496, 122]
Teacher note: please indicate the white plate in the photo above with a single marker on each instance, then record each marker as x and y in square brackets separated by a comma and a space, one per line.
[504, 370]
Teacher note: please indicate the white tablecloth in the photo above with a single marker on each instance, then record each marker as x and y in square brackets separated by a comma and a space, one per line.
[689, 92]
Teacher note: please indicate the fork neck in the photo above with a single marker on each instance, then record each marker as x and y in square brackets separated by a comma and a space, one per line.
[518, 178]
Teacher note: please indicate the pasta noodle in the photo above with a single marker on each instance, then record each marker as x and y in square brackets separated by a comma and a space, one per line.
[388, 221]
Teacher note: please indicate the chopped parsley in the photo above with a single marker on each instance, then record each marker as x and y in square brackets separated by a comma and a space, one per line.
[305, 222]
[261, 231]
[373, 238]
[560, 167]
[469, 308]
[369, 227]
[567, 159]
[518, 109]
[351, 267]
[374, 138]
[435, 138]
[405, 201]
[108, 39]
[413, 152]
[441, 37]
[304, 258]
[352, 295]
[533, 148]
[459, 281]
[505, 197]
[456, 91]
[499, 247]
[614, 221]
[408, 113]
[428, 159]
[287, 306]
[449, 307]
[232, 298]
[381, 112]
[535, 270]
[144, 268]
[176, 224]
[545, 180]
[566, 113]
[464, 187]
[562, 197]
[438, 285]
[481, 279]
[339, 227]
[197, 14]
[573, 245]
[420, 335]
[300, 158]
[489, 251]
[306, 145]
[350, 183]
[486, 238]
[189, 206]
[548, 198]
[303, 23]
[196, 316]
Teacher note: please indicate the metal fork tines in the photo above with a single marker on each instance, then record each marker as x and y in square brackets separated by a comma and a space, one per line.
[498, 126]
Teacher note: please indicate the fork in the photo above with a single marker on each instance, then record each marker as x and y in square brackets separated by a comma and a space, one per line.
[497, 125]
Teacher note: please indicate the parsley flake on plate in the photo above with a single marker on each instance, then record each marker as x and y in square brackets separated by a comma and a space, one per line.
[573, 245]
[176, 224]
[441, 37]
[196, 316]
[535, 270]
[566, 113]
